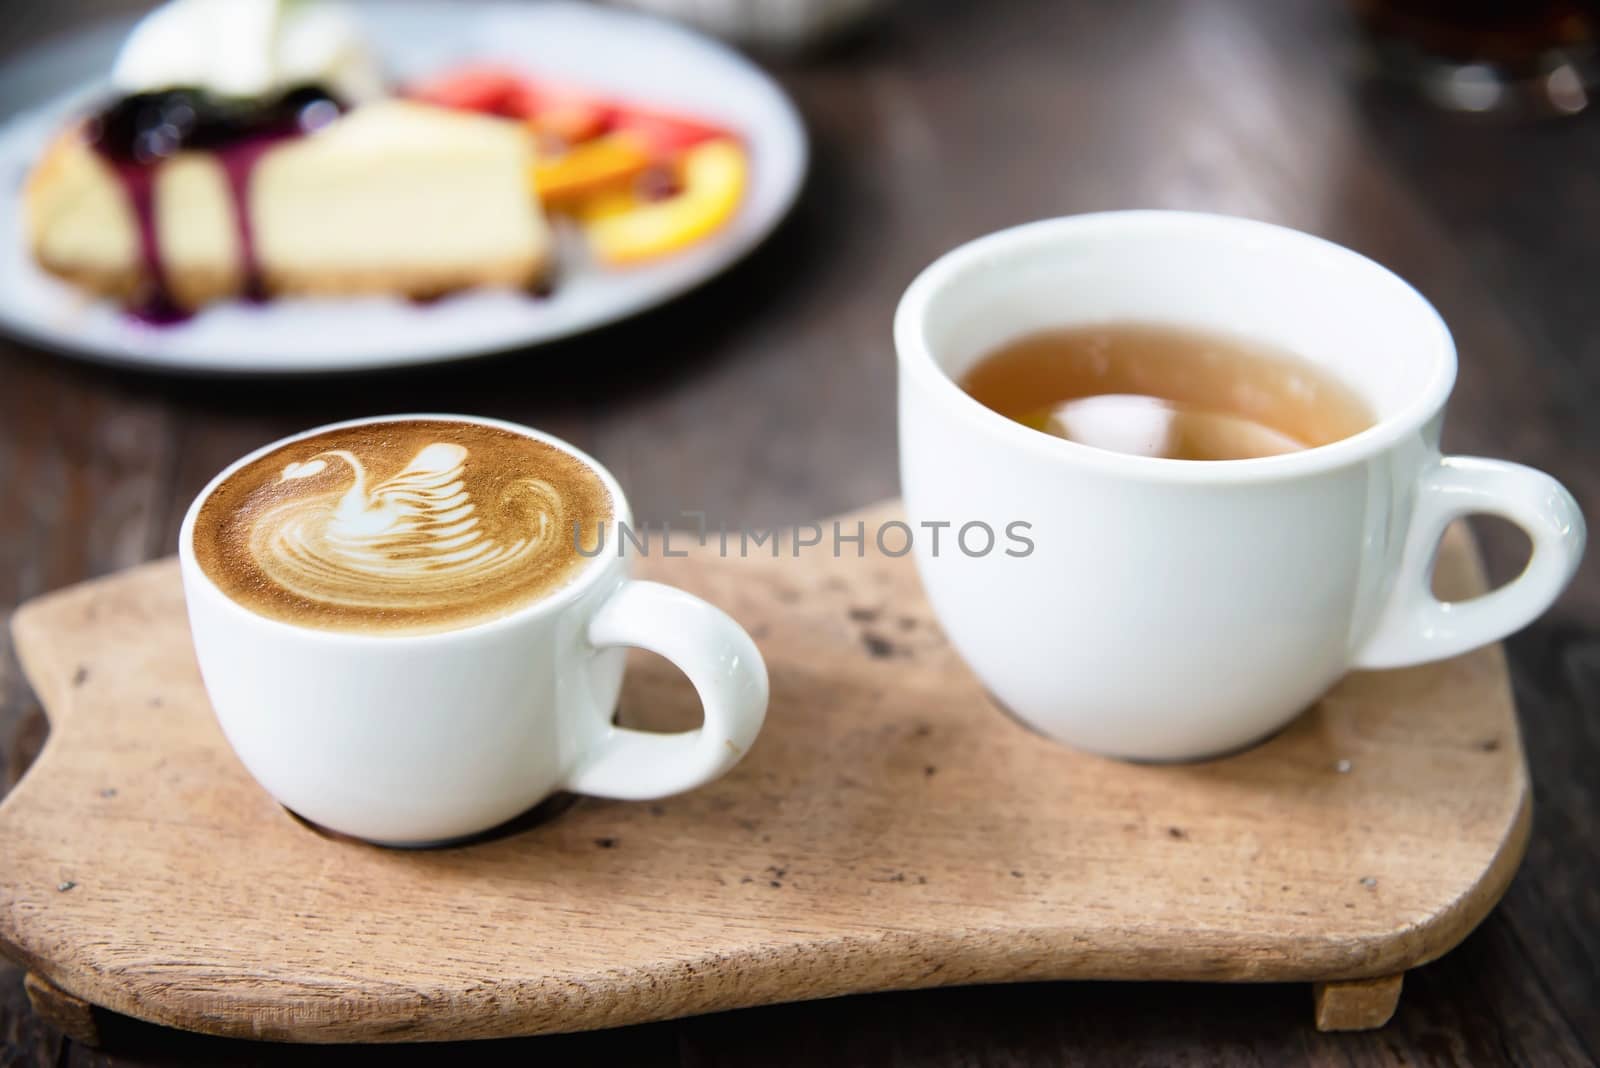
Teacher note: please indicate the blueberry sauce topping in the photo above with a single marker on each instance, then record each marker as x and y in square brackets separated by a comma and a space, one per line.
[149, 127]
[135, 134]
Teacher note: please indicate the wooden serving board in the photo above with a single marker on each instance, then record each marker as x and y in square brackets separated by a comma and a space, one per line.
[890, 829]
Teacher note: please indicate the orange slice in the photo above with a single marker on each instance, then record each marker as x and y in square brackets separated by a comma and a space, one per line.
[625, 229]
[585, 169]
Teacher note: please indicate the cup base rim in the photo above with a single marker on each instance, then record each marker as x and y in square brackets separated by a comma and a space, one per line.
[1201, 758]
[537, 816]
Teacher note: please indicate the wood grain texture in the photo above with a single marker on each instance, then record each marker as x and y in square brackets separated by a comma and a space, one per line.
[26, 1038]
[1356, 1004]
[889, 830]
[71, 1015]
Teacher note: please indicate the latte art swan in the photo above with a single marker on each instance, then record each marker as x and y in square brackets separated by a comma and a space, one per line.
[413, 541]
[400, 526]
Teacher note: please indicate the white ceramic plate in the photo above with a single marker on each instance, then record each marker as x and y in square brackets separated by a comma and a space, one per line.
[633, 56]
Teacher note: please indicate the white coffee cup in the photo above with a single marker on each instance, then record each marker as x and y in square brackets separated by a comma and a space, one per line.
[415, 739]
[1174, 609]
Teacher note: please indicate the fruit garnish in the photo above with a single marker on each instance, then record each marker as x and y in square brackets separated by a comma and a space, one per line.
[605, 162]
[489, 90]
[567, 113]
[666, 134]
[570, 119]
[628, 227]
[642, 182]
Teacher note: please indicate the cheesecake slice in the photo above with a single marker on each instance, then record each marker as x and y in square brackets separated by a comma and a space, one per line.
[391, 197]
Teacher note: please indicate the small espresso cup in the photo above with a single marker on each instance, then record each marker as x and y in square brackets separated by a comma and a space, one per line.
[1177, 609]
[414, 739]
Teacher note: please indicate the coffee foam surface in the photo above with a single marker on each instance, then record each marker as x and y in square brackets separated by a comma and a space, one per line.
[400, 527]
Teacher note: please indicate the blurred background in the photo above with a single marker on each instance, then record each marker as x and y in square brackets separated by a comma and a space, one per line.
[1455, 143]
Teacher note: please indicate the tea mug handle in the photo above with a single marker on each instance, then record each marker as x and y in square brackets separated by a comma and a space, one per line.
[1416, 626]
[727, 672]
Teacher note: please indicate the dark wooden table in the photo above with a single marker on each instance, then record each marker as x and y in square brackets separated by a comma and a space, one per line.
[768, 397]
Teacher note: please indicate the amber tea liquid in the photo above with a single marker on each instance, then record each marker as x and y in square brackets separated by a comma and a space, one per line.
[1163, 391]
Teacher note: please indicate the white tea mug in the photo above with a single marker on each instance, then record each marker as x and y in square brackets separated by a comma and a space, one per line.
[410, 739]
[1177, 609]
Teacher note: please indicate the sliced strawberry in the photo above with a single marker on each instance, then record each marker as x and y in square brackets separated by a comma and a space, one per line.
[573, 119]
[490, 90]
[562, 113]
[666, 134]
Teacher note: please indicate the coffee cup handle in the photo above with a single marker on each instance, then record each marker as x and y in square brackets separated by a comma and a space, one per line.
[727, 672]
[1415, 626]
